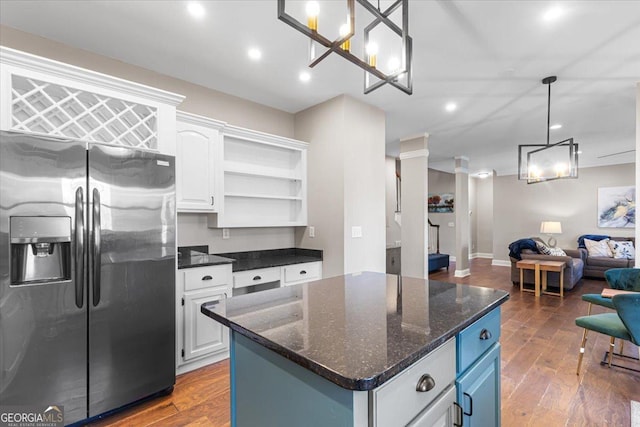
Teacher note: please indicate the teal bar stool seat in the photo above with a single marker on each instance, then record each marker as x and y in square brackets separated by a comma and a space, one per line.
[626, 279]
[623, 324]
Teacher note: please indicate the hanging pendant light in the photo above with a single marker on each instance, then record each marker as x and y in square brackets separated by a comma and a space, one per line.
[547, 162]
[399, 76]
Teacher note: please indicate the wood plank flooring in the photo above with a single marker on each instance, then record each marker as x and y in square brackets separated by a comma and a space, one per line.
[540, 344]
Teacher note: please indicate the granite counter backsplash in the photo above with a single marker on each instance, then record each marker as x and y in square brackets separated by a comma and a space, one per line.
[251, 260]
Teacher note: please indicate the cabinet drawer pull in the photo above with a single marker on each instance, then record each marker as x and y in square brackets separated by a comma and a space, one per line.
[459, 419]
[470, 404]
[303, 272]
[485, 334]
[426, 383]
[211, 200]
[257, 278]
[207, 278]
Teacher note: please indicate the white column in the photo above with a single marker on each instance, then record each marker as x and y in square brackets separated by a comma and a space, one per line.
[462, 216]
[414, 190]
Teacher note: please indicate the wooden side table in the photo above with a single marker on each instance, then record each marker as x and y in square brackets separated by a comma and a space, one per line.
[530, 264]
[556, 266]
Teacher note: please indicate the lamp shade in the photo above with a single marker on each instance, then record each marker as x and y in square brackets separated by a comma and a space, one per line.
[551, 227]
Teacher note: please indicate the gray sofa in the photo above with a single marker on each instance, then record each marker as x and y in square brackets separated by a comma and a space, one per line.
[573, 270]
[595, 266]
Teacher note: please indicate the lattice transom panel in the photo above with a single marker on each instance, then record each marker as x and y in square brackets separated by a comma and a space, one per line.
[53, 109]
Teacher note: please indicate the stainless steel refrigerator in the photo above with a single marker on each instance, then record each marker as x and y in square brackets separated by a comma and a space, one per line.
[87, 274]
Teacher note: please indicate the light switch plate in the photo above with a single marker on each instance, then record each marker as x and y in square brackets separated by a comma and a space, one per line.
[225, 233]
[452, 224]
[312, 231]
[356, 231]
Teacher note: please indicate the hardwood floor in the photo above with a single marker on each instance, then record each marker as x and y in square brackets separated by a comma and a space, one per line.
[540, 344]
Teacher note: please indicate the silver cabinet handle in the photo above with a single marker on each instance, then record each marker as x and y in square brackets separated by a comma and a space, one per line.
[96, 247]
[207, 278]
[79, 253]
[211, 200]
[485, 334]
[303, 272]
[459, 420]
[257, 278]
[426, 383]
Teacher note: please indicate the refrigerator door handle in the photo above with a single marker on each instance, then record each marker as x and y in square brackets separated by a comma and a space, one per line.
[96, 249]
[79, 255]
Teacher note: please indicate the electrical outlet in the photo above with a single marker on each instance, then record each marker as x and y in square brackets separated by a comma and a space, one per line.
[356, 231]
[312, 231]
[225, 233]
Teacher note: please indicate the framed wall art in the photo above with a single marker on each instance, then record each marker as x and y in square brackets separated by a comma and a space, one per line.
[441, 203]
[617, 207]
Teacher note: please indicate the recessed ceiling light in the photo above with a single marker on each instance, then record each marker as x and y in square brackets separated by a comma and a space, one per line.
[196, 9]
[556, 126]
[451, 106]
[254, 54]
[483, 175]
[553, 14]
[305, 76]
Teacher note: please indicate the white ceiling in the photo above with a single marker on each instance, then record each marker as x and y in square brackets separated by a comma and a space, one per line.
[487, 56]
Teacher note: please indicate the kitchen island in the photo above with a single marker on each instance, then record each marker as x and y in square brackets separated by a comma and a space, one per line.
[362, 349]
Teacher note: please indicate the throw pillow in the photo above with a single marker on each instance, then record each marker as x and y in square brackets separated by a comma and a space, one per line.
[598, 248]
[557, 252]
[622, 249]
[544, 249]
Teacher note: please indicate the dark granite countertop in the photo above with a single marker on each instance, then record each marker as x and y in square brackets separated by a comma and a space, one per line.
[202, 260]
[252, 260]
[357, 331]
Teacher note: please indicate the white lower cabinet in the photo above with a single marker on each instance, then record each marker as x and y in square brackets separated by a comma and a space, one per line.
[200, 341]
[300, 273]
[422, 395]
[440, 413]
[202, 336]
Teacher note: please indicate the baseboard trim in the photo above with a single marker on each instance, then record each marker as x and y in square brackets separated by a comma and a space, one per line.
[462, 273]
[481, 255]
[501, 263]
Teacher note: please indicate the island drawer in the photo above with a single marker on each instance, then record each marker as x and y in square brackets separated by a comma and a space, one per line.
[256, 277]
[207, 277]
[299, 272]
[397, 402]
[473, 341]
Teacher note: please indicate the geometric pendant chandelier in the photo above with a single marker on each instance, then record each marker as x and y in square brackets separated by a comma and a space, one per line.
[393, 68]
[547, 162]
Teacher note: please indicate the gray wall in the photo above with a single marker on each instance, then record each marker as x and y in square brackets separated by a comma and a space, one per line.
[443, 182]
[518, 207]
[192, 228]
[346, 184]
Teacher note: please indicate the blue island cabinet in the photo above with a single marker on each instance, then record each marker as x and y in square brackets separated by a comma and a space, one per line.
[363, 350]
[478, 371]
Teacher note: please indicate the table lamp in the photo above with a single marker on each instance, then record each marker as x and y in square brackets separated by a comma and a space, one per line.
[550, 228]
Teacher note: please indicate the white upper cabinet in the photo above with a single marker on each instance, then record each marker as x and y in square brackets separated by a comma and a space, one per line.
[264, 180]
[42, 96]
[198, 159]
